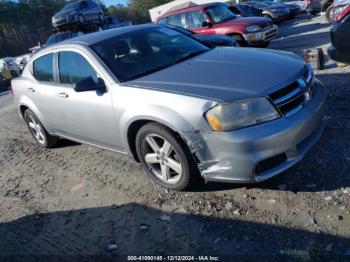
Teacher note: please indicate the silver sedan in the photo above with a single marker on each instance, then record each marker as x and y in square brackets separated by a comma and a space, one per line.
[181, 109]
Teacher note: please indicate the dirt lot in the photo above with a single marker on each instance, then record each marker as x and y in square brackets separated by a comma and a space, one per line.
[75, 200]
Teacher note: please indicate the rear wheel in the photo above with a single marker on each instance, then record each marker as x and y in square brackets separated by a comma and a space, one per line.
[164, 155]
[41, 136]
[330, 14]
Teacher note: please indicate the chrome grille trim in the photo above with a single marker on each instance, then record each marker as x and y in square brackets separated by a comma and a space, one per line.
[292, 98]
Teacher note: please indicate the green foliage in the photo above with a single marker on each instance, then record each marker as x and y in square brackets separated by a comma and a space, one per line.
[136, 11]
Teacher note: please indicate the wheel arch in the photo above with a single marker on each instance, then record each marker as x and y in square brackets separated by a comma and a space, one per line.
[326, 5]
[134, 126]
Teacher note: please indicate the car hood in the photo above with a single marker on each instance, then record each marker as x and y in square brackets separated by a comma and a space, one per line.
[246, 21]
[214, 40]
[226, 74]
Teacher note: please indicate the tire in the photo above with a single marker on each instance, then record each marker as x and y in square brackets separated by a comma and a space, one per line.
[239, 39]
[330, 14]
[38, 131]
[81, 19]
[170, 163]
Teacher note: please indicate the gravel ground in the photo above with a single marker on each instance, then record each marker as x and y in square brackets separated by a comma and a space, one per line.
[75, 201]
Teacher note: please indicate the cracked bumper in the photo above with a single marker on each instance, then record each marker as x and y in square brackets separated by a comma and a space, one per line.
[237, 156]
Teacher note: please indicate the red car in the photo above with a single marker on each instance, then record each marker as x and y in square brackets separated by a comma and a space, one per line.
[216, 18]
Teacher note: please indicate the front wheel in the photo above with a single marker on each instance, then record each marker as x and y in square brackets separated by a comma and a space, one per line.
[165, 156]
[39, 133]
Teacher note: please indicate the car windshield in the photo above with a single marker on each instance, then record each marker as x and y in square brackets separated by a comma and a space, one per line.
[220, 13]
[70, 6]
[142, 52]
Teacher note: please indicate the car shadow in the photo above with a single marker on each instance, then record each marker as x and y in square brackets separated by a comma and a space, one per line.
[66, 143]
[113, 232]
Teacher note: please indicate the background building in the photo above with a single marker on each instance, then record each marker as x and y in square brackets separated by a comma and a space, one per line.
[177, 4]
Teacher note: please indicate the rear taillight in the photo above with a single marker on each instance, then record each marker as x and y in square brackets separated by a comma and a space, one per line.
[308, 2]
[345, 12]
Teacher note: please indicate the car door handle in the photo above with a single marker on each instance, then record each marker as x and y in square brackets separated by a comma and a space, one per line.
[63, 95]
[30, 89]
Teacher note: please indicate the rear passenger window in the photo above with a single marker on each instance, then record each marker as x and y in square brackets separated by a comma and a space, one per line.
[43, 68]
[177, 20]
[195, 19]
[162, 20]
[74, 67]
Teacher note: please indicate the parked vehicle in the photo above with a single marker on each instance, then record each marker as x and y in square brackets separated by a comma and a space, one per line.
[218, 19]
[178, 107]
[340, 38]
[275, 13]
[317, 6]
[80, 11]
[301, 3]
[313, 6]
[291, 9]
[210, 41]
[8, 70]
[245, 10]
[336, 9]
[113, 22]
[61, 36]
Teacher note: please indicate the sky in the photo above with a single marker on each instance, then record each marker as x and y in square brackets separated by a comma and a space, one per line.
[114, 2]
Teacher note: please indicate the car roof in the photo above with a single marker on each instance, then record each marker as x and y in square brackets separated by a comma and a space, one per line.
[95, 37]
[188, 9]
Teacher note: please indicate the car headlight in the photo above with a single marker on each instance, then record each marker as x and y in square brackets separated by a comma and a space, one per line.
[253, 28]
[239, 114]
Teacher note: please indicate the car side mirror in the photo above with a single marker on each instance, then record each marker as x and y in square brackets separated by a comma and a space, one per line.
[207, 24]
[82, 5]
[86, 84]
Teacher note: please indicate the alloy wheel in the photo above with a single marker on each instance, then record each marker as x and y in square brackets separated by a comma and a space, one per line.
[162, 159]
[36, 129]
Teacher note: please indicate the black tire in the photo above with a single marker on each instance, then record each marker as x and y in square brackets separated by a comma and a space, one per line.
[189, 170]
[81, 19]
[239, 39]
[329, 12]
[48, 140]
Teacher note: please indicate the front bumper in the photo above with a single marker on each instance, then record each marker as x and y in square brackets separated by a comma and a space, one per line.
[257, 153]
[63, 20]
[261, 37]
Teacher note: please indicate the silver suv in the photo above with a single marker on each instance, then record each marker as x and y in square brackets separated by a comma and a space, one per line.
[176, 106]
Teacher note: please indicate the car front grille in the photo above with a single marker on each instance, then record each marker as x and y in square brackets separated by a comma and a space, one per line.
[270, 34]
[292, 98]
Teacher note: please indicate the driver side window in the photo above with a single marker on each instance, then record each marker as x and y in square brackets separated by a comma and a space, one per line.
[74, 67]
